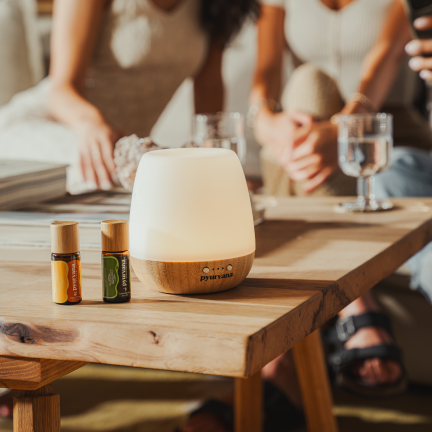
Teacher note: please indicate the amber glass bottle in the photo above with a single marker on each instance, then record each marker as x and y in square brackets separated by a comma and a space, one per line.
[66, 263]
[116, 286]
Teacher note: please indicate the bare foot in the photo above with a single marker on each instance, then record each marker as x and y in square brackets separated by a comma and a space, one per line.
[372, 371]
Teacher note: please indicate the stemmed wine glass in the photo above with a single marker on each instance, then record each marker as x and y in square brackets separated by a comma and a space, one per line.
[220, 130]
[365, 143]
[225, 130]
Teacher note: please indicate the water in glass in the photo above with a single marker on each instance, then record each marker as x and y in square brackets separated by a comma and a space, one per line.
[365, 144]
[365, 156]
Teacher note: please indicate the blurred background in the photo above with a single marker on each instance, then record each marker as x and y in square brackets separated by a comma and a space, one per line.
[117, 399]
[25, 53]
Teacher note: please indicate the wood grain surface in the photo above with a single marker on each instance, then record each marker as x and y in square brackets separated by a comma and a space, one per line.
[314, 382]
[37, 411]
[115, 235]
[310, 263]
[189, 277]
[65, 237]
[248, 404]
[31, 373]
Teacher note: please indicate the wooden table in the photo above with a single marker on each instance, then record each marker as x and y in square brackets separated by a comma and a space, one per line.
[310, 263]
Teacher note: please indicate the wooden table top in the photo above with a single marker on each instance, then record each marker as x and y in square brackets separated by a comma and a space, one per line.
[310, 263]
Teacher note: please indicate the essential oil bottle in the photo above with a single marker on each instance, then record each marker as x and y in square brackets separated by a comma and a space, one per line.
[116, 285]
[66, 263]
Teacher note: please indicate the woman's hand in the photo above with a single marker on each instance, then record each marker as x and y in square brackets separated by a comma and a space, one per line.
[76, 26]
[281, 132]
[314, 159]
[96, 148]
[418, 47]
[307, 150]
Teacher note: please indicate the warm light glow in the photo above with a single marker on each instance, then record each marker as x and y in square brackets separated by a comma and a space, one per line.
[190, 204]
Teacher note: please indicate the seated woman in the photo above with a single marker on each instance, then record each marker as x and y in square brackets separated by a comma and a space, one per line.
[115, 66]
[358, 48]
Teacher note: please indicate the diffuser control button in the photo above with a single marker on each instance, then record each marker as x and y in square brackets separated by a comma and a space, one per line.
[229, 267]
[206, 270]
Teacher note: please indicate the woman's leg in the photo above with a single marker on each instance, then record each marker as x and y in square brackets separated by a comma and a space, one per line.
[372, 371]
[410, 175]
[313, 92]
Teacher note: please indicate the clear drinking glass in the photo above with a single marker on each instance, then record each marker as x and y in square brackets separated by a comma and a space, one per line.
[225, 130]
[220, 130]
[365, 143]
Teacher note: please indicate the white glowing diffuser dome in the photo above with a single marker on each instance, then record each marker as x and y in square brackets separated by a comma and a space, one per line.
[191, 224]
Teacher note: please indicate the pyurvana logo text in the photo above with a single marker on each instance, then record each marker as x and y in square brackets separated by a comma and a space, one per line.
[206, 278]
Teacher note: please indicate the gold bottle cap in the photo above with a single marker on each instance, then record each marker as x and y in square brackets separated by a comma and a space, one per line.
[115, 235]
[65, 237]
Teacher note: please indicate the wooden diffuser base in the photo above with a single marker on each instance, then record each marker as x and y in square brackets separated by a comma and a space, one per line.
[193, 277]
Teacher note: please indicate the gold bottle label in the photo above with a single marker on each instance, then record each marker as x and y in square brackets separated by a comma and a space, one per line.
[66, 281]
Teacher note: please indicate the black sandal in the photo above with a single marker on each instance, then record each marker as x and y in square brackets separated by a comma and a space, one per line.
[342, 361]
[280, 415]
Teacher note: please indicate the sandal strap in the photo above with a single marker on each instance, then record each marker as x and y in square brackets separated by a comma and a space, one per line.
[344, 358]
[345, 328]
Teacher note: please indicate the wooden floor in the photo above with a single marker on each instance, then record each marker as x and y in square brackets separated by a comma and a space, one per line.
[99, 398]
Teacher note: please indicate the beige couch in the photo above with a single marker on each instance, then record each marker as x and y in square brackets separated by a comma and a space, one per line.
[21, 64]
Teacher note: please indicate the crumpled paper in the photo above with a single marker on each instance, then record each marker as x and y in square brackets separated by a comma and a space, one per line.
[128, 152]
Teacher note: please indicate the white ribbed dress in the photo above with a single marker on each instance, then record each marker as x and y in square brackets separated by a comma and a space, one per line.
[142, 56]
[338, 41]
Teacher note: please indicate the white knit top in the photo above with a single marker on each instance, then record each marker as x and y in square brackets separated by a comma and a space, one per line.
[143, 55]
[338, 41]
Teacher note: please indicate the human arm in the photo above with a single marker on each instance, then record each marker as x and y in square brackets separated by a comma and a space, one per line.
[208, 84]
[76, 26]
[316, 158]
[382, 63]
[277, 131]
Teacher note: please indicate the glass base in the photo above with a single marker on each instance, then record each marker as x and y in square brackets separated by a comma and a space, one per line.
[364, 206]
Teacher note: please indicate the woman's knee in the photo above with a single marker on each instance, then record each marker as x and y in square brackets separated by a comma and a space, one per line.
[409, 174]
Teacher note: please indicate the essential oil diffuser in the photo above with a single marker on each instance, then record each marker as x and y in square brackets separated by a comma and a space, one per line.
[191, 225]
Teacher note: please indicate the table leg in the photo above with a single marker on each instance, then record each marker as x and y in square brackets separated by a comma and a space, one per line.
[37, 411]
[314, 384]
[248, 404]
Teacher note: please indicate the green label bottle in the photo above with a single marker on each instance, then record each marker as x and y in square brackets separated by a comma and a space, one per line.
[116, 285]
[116, 277]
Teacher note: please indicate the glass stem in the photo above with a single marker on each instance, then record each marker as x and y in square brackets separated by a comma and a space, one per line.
[366, 189]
